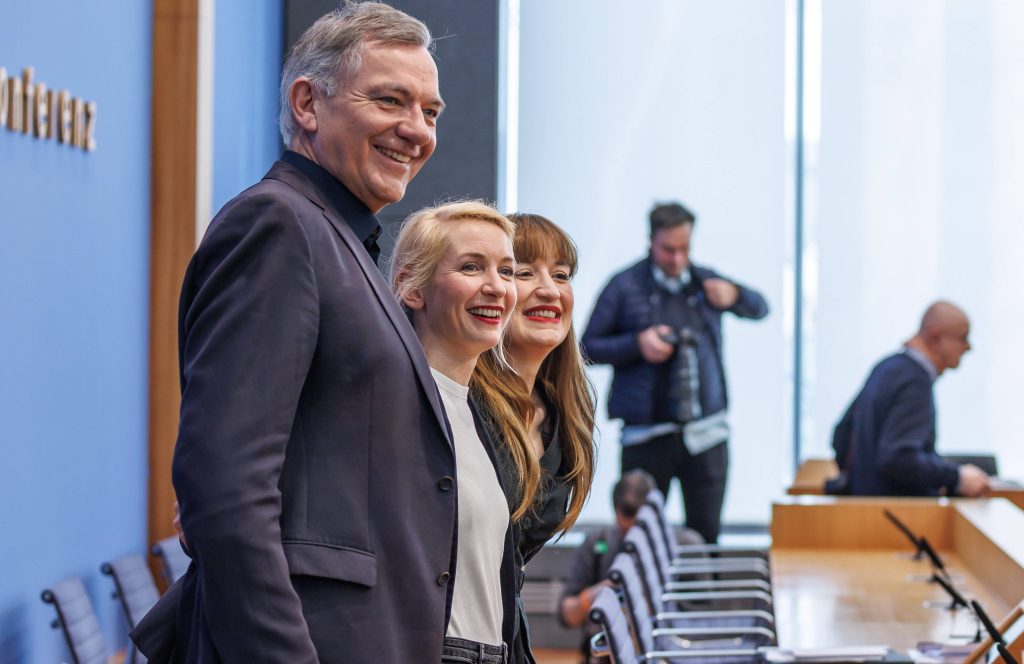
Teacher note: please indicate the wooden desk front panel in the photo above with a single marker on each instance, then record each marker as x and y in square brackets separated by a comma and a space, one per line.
[822, 522]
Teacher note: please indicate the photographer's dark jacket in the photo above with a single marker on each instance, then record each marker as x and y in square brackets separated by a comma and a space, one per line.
[632, 302]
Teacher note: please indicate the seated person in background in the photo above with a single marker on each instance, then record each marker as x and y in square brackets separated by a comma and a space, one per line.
[885, 442]
[588, 572]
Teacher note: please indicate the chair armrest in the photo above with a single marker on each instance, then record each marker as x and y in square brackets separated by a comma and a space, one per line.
[751, 561]
[727, 584]
[754, 595]
[713, 631]
[700, 652]
[701, 549]
[699, 615]
[696, 570]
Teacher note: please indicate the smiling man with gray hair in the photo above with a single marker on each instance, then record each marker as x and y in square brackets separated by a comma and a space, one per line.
[313, 464]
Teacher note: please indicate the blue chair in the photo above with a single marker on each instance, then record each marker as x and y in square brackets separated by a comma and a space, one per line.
[77, 621]
[134, 588]
[669, 569]
[682, 595]
[657, 502]
[685, 630]
[174, 561]
[616, 641]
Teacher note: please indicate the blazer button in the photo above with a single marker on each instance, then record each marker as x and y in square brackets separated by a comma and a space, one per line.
[445, 483]
[443, 579]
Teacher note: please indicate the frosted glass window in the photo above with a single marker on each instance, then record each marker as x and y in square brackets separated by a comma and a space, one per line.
[918, 196]
[623, 105]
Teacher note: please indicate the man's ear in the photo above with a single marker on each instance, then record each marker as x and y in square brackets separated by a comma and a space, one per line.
[301, 99]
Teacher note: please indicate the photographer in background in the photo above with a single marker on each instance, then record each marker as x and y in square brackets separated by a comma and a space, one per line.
[659, 324]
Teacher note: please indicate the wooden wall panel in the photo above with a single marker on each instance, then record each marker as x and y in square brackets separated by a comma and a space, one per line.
[173, 234]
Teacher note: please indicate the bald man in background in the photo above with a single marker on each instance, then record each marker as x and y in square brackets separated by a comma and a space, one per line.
[885, 442]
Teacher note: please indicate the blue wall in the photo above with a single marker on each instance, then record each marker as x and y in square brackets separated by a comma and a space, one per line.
[74, 254]
[74, 299]
[247, 69]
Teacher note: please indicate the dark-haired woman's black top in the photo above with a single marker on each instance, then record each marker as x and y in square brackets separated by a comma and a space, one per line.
[531, 532]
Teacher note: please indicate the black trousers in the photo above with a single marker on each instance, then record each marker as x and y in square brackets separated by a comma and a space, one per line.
[702, 477]
[464, 651]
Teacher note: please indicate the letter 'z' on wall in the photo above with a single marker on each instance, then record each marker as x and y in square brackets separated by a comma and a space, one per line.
[27, 107]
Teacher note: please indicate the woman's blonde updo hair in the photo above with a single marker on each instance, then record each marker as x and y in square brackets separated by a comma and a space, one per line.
[425, 236]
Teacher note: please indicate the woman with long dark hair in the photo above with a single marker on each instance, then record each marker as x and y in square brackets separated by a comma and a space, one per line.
[541, 388]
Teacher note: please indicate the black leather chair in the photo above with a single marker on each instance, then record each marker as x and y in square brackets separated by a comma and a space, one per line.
[986, 462]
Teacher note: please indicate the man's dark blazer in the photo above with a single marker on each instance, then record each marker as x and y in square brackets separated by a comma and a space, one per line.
[313, 465]
[885, 441]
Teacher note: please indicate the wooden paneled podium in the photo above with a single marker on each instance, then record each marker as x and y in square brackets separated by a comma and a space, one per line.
[844, 575]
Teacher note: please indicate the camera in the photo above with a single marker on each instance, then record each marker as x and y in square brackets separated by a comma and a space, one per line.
[682, 337]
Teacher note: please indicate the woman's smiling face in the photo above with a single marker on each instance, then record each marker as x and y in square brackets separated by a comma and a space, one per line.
[543, 314]
[470, 297]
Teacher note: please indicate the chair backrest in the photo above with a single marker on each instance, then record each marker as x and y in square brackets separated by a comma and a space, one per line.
[625, 575]
[133, 586]
[986, 462]
[77, 620]
[648, 520]
[174, 561]
[606, 613]
[637, 544]
[657, 503]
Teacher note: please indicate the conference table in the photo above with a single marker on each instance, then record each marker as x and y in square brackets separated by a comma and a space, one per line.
[843, 575]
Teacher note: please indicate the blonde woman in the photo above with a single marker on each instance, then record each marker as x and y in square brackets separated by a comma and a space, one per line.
[453, 269]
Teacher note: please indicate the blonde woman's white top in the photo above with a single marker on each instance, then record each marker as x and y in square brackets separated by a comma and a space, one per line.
[483, 519]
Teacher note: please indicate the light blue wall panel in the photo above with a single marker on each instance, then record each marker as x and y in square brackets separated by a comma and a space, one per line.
[247, 69]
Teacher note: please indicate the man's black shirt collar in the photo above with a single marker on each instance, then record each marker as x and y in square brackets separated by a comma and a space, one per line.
[355, 213]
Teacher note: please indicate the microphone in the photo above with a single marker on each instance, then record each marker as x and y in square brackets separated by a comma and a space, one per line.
[1004, 652]
[987, 622]
[907, 532]
[957, 599]
[933, 556]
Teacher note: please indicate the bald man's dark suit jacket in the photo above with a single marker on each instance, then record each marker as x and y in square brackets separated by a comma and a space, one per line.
[313, 464]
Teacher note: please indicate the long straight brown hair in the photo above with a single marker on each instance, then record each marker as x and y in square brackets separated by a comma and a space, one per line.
[562, 380]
